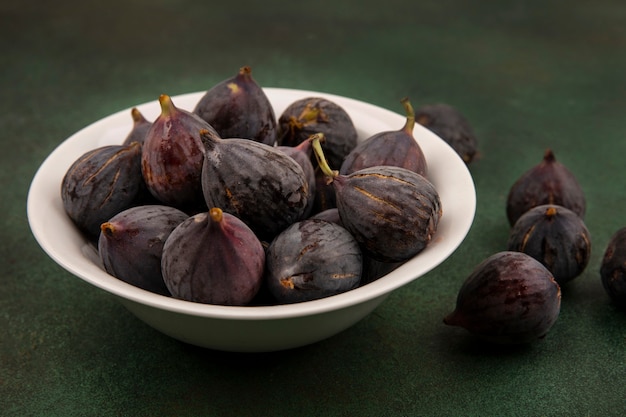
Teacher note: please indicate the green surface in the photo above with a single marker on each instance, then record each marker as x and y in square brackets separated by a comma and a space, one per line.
[528, 75]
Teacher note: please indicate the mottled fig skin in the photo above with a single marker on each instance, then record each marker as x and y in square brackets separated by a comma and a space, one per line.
[391, 211]
[239, 108]
[509, 298]
[548, 182]
[613, 268]
[131, 244]
[449, 124]
[213, 258]
[396, 148]
[256, 182]
[140, 128]
[173, 155]
[311, 115]
[100, 184]
[556, 237]
[302, 155]
[312, 259]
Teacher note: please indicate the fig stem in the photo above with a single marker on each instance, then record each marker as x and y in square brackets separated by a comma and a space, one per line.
[410, 116]
[216, 214]
[319, 155]
[166, 105]
[107, 228]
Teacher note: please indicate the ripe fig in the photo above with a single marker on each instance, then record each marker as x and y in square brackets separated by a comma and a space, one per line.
[613, 268]
[392, 212]
[397, 148]
[548, 182]
[213, 258]
[449, 124]
[100, 184]
[256, 182]
[330, 215]
[556, 237]
[131, 243]
[311, 115]
[509, 298]
[173, 155]
[140, 128]
[237, 107]
[312, 259]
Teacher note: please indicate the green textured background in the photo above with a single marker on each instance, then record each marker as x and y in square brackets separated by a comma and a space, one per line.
[528, 75]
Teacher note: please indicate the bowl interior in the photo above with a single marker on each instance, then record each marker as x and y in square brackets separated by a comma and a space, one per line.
[64, 244]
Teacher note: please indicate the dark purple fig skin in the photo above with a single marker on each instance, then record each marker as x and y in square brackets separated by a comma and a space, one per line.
[256, 182]
[392, 212]
[173, 155]
[312, 259]
[330, 215]
[311, 115]
[613, 268]
[449, 124]
[556, 237]
[324, 197]
[239, 108]
[131, 244]
[548, 182]
[396, 148]
[302, 155]
[100, 184]
[509, 298]
[213, 258]
[140, 128]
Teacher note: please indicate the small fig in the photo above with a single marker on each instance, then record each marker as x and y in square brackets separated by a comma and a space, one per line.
[509, 298]
[397, 148]
[548, 182]
[556, 237]
[256, 182]
[213, 258]
[100, 184]
[140, 128]
[449, 124]
[239, 108]
[173, 155]
[312, 259]
[391, 211]
[311, 115]
[613, 268]
[131, 244]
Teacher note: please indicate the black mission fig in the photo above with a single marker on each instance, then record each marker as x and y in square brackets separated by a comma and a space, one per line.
[140, 128]
[509, 298]
[312, 259]
[213, 258]
[131, 243]
[613, 268]
[392, 212]
[238, 107]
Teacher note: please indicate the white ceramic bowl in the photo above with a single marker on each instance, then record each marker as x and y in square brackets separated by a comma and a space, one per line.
[248, 329]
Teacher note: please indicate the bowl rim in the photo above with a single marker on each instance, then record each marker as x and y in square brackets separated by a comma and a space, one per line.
[406, 273]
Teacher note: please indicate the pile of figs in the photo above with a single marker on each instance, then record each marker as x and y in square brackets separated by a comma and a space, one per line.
[231, 204]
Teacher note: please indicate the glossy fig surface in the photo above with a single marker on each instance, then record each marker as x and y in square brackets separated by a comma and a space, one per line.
[238, 107]
[131, 243]
[549, 182]
[311, 115]
[256, 182]
[302, 154]
[312, 259]
[396, 148]
[452, 126]
[213, 258]
[391, 211]
[101, 183]
[172, 157]
[555, 236]
[613, 268]
[508, 298]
